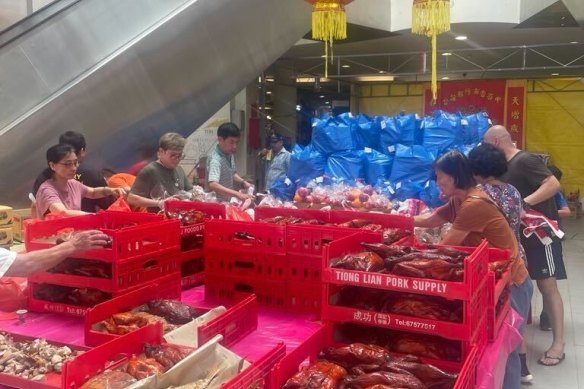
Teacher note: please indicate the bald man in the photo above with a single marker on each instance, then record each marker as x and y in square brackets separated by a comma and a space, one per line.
[537, 185]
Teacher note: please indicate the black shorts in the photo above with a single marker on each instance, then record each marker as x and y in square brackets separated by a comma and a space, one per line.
[544, 261]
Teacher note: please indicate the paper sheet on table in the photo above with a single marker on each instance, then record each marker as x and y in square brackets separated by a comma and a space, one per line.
[187, 334]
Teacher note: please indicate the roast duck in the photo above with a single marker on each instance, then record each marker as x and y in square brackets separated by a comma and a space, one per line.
[439, 263]
[390, 235]
[156, 359]
[84, 297]
[83, 267]
[170, 313]
[361, 366]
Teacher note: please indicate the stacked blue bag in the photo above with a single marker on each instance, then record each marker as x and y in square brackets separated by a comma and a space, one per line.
[442, 131]
[412, 163]
[306, 164]
[366, 133]
[283, 188]
[377, 166]
[333, 135]
[347, 165]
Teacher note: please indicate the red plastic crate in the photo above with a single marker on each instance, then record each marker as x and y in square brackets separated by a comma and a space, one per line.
[304, 297]
[236, 263]
[237, 322]
[211, 211]
[308, 351]
[245, 236]
[52, 380]
[473, 314]
[109, 355]
[262, 213]
[260, 374]
[169, 287]
[192, 268]
[475, 272]
[304, 268]
[385, 220]
[306, 239]
[271, 294]
[125, 275]
[495, 289]
[133, 234]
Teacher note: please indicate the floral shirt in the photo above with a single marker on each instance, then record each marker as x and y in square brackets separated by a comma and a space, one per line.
[508, 199]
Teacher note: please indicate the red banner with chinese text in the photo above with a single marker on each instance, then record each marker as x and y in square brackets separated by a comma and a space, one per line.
[468, 97]
[515, 111]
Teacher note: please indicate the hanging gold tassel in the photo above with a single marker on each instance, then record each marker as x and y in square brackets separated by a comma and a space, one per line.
[430, 18]
[329, 23]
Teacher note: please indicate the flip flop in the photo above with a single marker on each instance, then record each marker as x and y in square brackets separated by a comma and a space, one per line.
[557, 360]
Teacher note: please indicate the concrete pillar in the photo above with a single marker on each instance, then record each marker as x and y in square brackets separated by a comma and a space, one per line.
[284, 96]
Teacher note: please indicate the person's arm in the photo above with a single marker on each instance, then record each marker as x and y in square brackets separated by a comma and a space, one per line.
[548, 188]
[564, 212]
[224, 191]
[26, 263]
[60, 208]
[429, 220]
[135, 200]
[104, 191]
[454, 237]
[238, 180]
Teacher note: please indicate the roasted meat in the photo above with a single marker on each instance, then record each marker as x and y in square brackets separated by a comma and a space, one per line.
[455, 254]
[499, 268]
[173, 311]
[435, 308]
[425, 346]
[125, 322]
[392, 235]
[385, 251]
[109, 380]
[166, 354]
[320, 375]
[437, 269]
[430, 375]
[403, 380]
[355, 223]
[357, 354]
[141, 367]
[365, 261]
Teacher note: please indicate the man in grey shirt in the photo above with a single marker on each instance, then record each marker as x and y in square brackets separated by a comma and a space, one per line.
[277, 161]
[221, 174]
[163, 177]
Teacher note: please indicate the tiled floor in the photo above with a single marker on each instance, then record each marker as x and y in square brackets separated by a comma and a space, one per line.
[570, 373]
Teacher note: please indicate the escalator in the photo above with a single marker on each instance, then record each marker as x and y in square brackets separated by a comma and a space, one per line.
[125, 71]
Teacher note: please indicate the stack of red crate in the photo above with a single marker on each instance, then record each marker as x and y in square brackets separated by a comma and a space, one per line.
[471, 292]
[499, 300]
[191, 259]
[143, 250]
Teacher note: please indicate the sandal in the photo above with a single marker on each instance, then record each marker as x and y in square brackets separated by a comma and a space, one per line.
[556, 360]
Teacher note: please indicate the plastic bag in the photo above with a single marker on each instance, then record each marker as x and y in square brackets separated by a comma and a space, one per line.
[331, 136]
[377, 166]
[431, 195]
[474, 126]
[408, 126]
[237, 214]
[306, 164]
[388, 134]
[367, 133]
[412, 163]
[442, 131]
[347, 164]
[13, 295]
[120, 205]
[283, 189]
[407, 189]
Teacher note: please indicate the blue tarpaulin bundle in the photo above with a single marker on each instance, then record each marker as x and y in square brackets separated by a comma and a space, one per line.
[346, 164]
[388, 134]
[377, 166]
[366, 133]
[442, 131]
[412, 163]
[409, 128]
[283, 188]
[333, 135]
[306, 164]
[407, 189]
[431, 194]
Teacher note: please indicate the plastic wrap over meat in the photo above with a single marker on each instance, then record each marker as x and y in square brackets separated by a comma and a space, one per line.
[141, 367]
[357, 354]
[437, 269]
[109, 380]
[173, 311]
[320, 375]
[365, 261]
[430, 375]
[403, 380]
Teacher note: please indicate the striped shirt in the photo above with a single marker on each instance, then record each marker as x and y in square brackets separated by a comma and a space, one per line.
[220, 168]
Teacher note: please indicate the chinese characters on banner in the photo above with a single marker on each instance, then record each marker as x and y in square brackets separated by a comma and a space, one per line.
[469, 97]
[515, 113]
[503, 100]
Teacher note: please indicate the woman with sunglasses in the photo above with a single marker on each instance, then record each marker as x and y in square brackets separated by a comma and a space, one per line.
[61, 193]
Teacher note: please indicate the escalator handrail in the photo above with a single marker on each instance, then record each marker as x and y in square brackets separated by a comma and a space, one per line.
[34, 20]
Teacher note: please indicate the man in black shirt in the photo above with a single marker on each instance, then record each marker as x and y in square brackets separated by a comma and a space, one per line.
[88, 177]
[537, 185]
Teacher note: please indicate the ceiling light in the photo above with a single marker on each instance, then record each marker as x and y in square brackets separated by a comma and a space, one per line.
[346, 66]
[445, 78]
[381, 72]
[574, 42]
[327, 102]
[374, 78]
[268, 117]
[461, 38]
[310, 79]
[555, 74]
[322, 96]
[446, 54]
[269, 92]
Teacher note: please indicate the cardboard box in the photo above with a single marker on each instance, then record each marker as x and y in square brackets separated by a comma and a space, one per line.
[6, 214]
[18, 224]
[6, 236]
